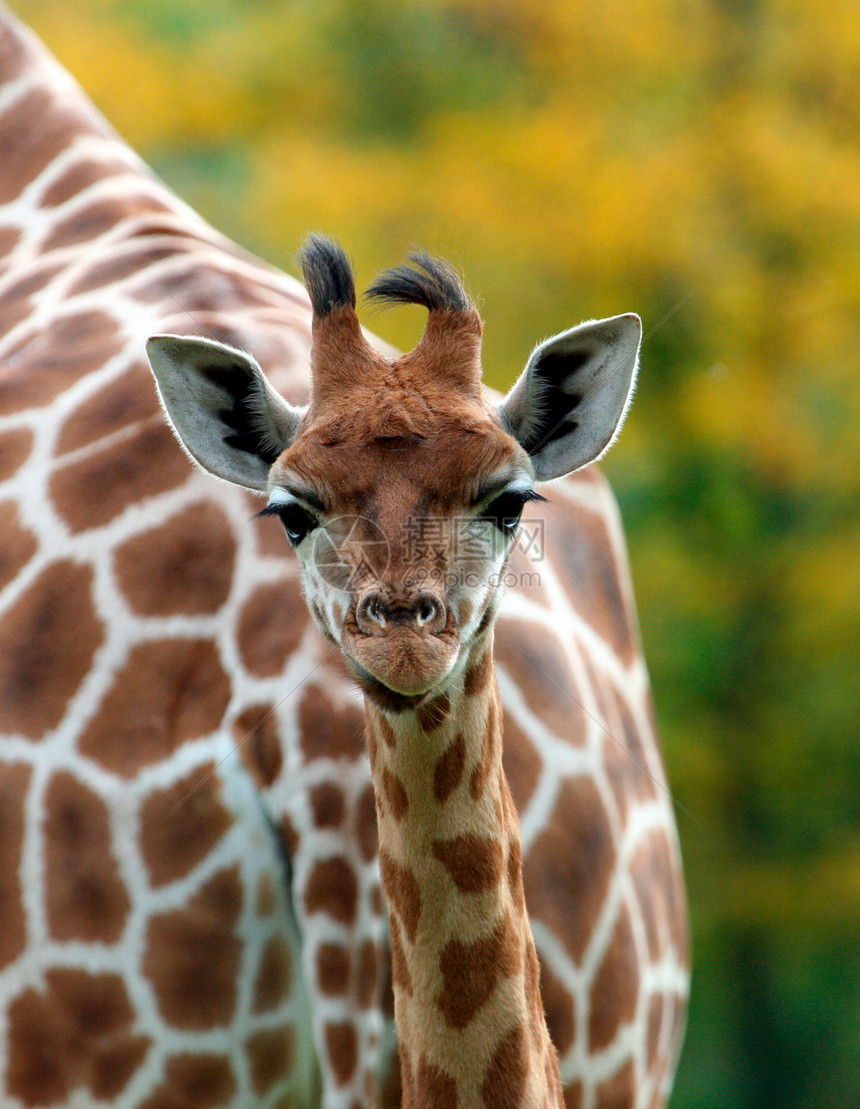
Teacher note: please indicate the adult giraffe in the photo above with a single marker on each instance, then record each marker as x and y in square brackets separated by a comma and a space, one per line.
[189, 884]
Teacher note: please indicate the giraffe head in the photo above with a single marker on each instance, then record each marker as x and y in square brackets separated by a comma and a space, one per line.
[400, 485]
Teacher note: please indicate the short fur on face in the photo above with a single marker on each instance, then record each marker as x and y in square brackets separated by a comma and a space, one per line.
[399, 465]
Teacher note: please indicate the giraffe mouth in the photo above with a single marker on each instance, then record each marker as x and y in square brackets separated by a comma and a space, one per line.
[382, 694]
[401, 668]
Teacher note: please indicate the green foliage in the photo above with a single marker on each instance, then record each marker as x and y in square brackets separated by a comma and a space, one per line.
[694, 160]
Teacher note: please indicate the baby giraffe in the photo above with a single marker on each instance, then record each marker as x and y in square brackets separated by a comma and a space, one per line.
[400, 487]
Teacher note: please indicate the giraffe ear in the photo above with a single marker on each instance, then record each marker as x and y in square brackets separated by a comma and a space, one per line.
[571, 399]
[223, 410]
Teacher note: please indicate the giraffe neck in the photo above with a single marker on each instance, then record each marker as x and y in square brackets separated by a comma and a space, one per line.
[469, 1017]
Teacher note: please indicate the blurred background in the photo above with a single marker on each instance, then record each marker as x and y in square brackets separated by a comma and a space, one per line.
[697, 161]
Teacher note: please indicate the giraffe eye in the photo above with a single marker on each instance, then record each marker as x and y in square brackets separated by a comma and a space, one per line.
[504, 511]
[297, 522]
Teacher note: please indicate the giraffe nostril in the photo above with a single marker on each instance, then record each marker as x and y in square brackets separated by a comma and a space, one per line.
[371, 613]
[429, 610]
[426, 612]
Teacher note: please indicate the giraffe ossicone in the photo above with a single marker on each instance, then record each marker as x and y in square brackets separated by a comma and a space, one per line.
[386, 442]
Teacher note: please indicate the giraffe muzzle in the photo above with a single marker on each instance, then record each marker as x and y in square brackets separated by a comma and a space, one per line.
[407, 644]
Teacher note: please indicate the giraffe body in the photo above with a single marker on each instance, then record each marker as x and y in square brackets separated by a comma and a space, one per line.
[189, 879]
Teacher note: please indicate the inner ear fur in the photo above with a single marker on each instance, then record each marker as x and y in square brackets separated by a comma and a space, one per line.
[222, 408]
[570, 401]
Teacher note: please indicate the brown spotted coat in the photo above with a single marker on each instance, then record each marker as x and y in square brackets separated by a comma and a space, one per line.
[189, 874]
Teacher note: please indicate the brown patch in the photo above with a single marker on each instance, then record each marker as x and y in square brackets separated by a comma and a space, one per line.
[537, 662]
[33, 131]
[569, 866]
[433, 714]
[256, 733]
[385, 730]
[15, 302]
[366, 831]
[328, 729]
[332, 969]
[274, 976]
[34, 279]
[14, 56]
[470, 971]
[169, 691]
[367, 977]
[615, 989]
[432, 1086]
[474, 863]
[573, 1096]
[193, 954]
[478, 780]
[85, 897]
[46, 362]
[127, 400]
[328, 804]
[332, 889]
[480, 675]
[599, 683]
[395, 794]
[183, 567]
[558, 1007]
[626, 761]
[9, 239]
[290, 836]
[271, 626]
[515, 873]
[619, 1091]
[15, 447]
[522, 764]
[271, 1057]
[659, 890]
[400, 976]
[532, 989]
[581, 551]
[14, 783]
[126, 260]
[194, 1082]
[76, 1033]
[47, 642]
[18, 545]
[79, 177]
[181, 824]
[94, 219]
[449, 769]
[342, 1044]
[505, 1081]
[402, 892]
[12, 312]
[93, 491]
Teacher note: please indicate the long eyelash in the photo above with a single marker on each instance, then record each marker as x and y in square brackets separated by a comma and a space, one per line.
[531, 495]
[270, 510]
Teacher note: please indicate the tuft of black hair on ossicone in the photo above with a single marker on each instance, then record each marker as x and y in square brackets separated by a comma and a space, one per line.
[428, 281]
[327, 273]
